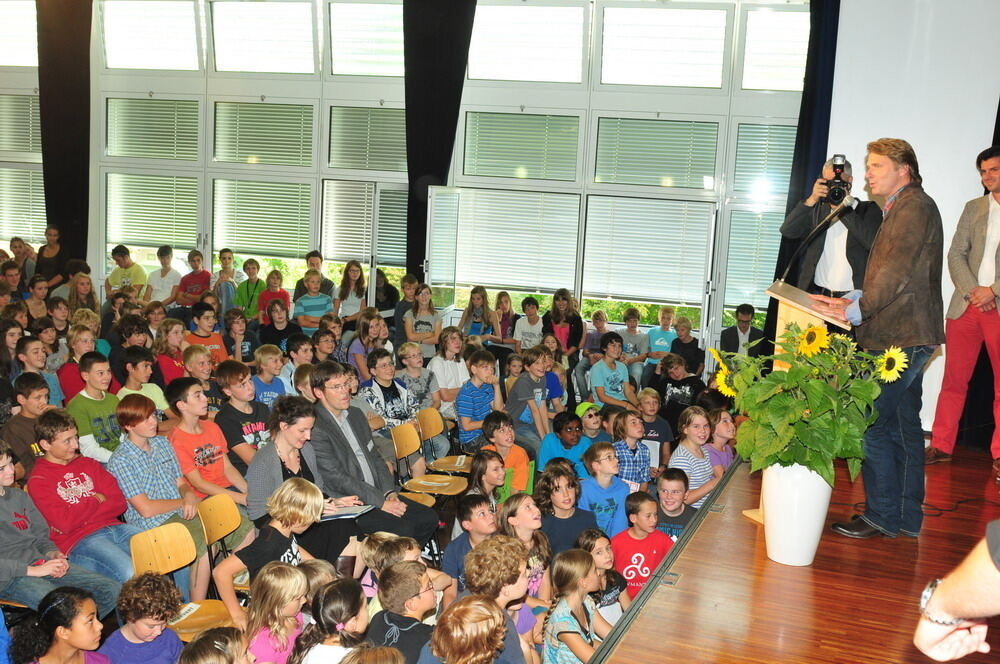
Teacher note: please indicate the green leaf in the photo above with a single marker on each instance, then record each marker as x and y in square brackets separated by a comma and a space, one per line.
[854, 467]
[823, 465]
[821, 396]
[865, 390]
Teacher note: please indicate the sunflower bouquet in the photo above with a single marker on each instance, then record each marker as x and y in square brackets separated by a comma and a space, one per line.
[814, 406]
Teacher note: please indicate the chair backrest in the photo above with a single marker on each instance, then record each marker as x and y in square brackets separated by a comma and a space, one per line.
[506, 488]
[405, 439]
[219, 516]
[531, 478]
[163, 549]
[431, 423]
[509, 382]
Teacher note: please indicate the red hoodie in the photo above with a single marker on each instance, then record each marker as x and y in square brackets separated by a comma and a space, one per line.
[65, 495]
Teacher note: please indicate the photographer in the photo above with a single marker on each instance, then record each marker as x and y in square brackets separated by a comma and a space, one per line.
[834, 262]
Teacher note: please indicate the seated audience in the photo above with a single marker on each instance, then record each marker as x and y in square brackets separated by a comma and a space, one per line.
[406, 594]
[527, 403]
[205, 318]
[694, 431]
[498, 432]
[528, 330]
[314, 261]
[32, 395]
[168, 347]
[298, 350]
[417, 378]
[686, 346]
[720, 446]
[194, 283]
[449, 369]
[640, 548]
[138, 365]
[635, 345]
[476, 517]
[274, 615]
[409, 285]
[324, 343]
[422, 323]
[53, 635]
[351, 297]
[273, 292]
[609, 378]
[676, 386]
[593, 424]
[610, 596]
[471, 631]
[242, 418]
[565, 442]
[267, 385]
[658, 435]
[198, 365]
[279, 328]
[340, 619]
[478, 397]
[634, 466]
[557, 494]
[80, 340]
[659, 340]
[568, 638]
[248, 291]
[160, 283]
[239, 342]
[520, 517]
[312, 304]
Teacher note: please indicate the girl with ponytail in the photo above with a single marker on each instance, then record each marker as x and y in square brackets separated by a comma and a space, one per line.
[65, 629]
[340, 612]
[573, 622]
[274, 617]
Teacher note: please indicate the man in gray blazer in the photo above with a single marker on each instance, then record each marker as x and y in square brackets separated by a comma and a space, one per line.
[349, 464]
[974, 263]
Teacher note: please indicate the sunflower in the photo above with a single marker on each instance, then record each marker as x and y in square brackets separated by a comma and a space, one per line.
[717, 356]
[813, 340]
[722, 379]
[890, 364]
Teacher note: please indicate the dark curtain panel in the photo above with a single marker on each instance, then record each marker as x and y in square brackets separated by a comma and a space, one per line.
[64, 105]
[436, 35]
[814, 127]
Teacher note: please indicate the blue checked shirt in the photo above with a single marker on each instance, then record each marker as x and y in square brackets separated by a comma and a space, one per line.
[633, 465]
[153, 473]
[475, 403]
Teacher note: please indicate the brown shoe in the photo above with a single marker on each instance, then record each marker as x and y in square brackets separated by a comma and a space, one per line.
[934, 455]
[996, 469]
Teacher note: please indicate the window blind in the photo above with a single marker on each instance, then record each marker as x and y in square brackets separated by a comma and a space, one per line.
[152, 128]
[158, 34]
[249, 133]
[348, 209]
[661, 46]
[518, 145]
[20, 131]
[18, 34]
[527, 43]
[753, 253]
[647, 249]
[442, 213]
[763, 160]
[263, 37]
[391, 243]
[22, 204]
[366, 39]
[517, 239]
[774, 57]
[368, 138]
[152, 210]
[262, 218]
[659, 153]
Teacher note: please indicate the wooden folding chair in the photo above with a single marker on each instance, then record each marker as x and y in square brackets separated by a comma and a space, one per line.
[422, 498]
[405, 441]
[167, 548]
[219, 517]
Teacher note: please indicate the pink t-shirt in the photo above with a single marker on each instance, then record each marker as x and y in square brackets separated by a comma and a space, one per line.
[265, 649]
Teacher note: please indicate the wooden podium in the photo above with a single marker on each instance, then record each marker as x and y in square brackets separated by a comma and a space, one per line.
[794, 306]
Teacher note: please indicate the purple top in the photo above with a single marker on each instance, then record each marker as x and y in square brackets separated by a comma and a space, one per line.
[722, 458]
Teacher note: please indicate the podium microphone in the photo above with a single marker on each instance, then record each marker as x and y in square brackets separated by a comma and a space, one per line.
[848, 202]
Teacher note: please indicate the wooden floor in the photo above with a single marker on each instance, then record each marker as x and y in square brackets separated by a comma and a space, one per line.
[856, 603]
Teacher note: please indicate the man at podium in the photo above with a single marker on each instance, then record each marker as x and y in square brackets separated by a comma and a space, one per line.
[899, 305]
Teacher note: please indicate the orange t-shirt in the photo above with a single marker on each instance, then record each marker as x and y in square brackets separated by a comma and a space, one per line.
[213, 343]
[517, 459]
[204, 452]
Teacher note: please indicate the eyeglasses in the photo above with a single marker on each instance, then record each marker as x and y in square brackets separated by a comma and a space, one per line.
[607, 457]
[385, 365]
[338, 387]
[430, 587]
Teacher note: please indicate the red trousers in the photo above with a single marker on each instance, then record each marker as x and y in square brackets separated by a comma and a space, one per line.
[964, 337]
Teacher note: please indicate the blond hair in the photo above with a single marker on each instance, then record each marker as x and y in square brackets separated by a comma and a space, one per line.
[900, 152]
[275, 585]
[296, 502]
[470, 631]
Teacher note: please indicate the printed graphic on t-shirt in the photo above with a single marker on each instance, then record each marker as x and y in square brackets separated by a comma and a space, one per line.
[206, 455]
[106, 430]
[637, 569]
[613, 383]
[73, 487]
[422, 326]
[255, 434]
[681, 394]
[604, 511]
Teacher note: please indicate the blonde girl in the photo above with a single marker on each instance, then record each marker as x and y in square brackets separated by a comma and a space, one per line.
[610, 596]
[351, 297]
[423, 323]
[274, 617]
[81, 293]
[478, 319]
[340, 615]
[573, 623]
[168, 348]
[519, 517]
[218, 645]
[694, 430]
[503, 314]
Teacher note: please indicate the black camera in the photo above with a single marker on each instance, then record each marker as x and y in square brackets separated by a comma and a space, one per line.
[838, 186]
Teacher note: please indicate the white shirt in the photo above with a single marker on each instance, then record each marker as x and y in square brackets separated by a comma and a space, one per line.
[988, 266]
[744, 340]
[239, 276]
[162, 285]
[833, 272]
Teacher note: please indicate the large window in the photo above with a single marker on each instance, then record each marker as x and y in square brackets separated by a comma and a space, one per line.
[18, 34]
[263, 37]
[153, 128]
[249, 216]
[366, 39]
[150, 34]
[20, 131]
[22, 204]
[151, 210]
[776, 45]
[658, 153]
[275, 134]
[763, 160]
[368, 138]
[512, 145]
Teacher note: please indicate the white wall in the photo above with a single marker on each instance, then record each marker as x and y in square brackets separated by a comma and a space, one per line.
[921, 70]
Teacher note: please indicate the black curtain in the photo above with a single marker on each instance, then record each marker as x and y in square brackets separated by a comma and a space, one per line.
[813, 130]
[64, 107]
[436, 36]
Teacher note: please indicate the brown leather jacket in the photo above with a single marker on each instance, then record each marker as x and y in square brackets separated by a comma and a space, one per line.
[902, 305]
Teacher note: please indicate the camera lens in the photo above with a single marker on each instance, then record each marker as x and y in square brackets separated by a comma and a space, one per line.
[836, 195]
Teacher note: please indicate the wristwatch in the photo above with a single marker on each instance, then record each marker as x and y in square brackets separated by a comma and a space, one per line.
[925, 598]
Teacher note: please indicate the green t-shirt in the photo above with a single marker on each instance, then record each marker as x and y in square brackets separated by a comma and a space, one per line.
[128, 276]
[247, 295]
[96, 418]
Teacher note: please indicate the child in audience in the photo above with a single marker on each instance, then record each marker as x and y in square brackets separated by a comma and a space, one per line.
[408, 285]
[239, 342]
[38, 290]
[274, 616]
[299, 351]
[659, 340]
[640, 548]
[658, 435]
[218, 645]
[302, 376]
[573, 624]
[566, 441]
[528, 329]
[194, 283]
[551, 342]
[635, 345]
[242, 418]
[556, 495]
[319, 573]
[279, 328]
[324, 343]
[690, 456]
[527, 401]
[295, 506]
[312, 304]
[418, 379]
[633, 457]
[477, 398]
[204, 318]
[267, 385]
[30, 353]
[610, 597]
[520, 517]
[198, 365]
[274, 291]
[471, 631]
[407, 595]
[365, 341]
[32, 394]
[450, 370]
[80, 341]
[487, 475]
[422, 324]
[340, 613]
[603, 493]
[146, 603]
[138, 365]
[314, 261]
[351, 297]
[476, 516]
[674, 514]
[248, 291]
[333, 323]
[515, 365]
[720, 446]
[94, 409]
[66, 628]
[58, 310]
[43, 329]
[686, 346]
[168, 347]
[677, 387]
[160, 283]
[590, 418]
[498, 430]
[609, 378]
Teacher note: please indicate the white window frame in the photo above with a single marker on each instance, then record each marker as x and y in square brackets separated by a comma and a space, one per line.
[741, 45]
[327, 54]
[731, 194]
[276, 169]
[210, 61]
[328, 172]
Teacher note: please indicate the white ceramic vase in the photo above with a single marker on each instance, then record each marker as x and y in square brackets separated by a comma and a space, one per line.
[795, 501]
